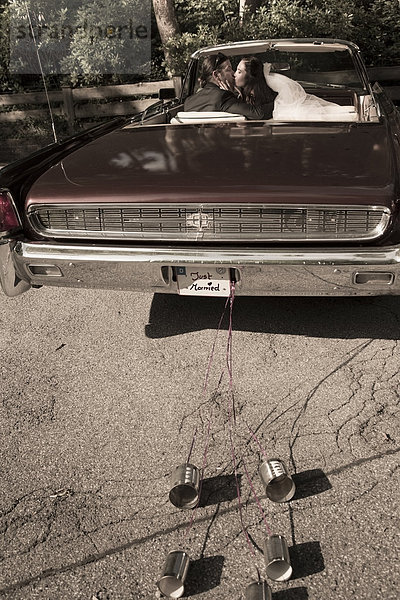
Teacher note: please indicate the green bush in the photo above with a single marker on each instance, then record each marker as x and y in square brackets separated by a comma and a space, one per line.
[90, 43]
[182, 46]
[90, 55]
[381, 42]
[194, 14]
[374, 25]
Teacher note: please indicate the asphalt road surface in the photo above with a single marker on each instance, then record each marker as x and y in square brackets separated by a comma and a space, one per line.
[102, 396]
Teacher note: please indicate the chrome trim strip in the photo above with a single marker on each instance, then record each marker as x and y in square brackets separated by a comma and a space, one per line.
[204, 235]
[227, 256]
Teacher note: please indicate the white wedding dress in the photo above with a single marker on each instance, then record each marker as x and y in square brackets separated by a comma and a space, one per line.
[294, 104]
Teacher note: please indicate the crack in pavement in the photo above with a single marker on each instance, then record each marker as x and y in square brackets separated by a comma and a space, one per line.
[354, 353]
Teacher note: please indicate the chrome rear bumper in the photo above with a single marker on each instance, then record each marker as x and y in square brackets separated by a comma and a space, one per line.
[258, 272]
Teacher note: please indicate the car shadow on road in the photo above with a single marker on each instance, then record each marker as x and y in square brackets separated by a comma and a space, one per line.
[347, 318]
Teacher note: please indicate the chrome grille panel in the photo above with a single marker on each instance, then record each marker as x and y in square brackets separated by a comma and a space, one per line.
[214, 222]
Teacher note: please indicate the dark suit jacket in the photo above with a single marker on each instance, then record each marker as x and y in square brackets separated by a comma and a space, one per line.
[212, 98]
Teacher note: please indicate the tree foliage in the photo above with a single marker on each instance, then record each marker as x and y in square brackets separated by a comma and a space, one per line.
[83, 42]
[372, 24]
[105, 42]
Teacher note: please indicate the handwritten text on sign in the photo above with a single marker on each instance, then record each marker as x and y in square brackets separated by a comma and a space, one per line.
[203, 281]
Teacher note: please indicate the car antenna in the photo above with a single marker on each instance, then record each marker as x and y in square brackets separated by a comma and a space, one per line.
[42, 73]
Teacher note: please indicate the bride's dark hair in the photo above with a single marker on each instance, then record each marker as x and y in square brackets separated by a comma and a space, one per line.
[256, 90]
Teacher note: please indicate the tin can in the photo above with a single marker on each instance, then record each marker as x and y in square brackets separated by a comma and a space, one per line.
[185, 483]
[279, 486]
[172, 580]
[277, 559]
[258, 590]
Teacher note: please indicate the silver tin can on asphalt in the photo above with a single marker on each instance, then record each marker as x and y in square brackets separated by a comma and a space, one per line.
[185, 482]
[258, 590]
[277, 559]
[279, 486]
[172, 580]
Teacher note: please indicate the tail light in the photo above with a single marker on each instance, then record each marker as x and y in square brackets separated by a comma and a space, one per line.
[9, 220]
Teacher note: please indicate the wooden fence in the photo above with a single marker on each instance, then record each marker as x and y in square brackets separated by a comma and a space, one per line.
[82, 103]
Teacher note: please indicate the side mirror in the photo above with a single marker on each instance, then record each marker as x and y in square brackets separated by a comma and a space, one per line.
[166, 93]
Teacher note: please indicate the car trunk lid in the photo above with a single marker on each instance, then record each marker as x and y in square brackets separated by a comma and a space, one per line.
[254, 162]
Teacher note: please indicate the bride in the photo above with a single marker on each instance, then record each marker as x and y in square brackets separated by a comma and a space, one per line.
[292, 103]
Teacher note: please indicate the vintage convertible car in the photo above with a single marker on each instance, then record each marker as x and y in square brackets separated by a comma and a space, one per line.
[175, 202]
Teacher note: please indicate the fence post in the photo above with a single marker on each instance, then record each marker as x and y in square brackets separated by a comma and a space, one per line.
[68, 107]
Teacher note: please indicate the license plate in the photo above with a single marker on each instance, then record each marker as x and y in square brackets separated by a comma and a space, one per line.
[203, 281]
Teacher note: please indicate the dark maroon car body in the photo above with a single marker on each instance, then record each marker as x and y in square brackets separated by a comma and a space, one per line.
[281, 207]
